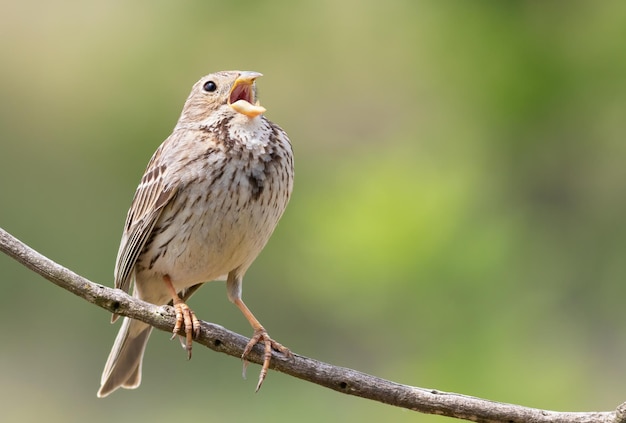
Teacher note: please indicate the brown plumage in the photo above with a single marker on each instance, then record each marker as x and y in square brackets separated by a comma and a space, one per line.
[206, 205]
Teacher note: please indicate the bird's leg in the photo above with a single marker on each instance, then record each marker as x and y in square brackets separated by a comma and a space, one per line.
[260, 335]
[184, 316]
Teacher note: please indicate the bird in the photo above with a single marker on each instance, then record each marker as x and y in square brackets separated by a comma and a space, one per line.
[209, 200]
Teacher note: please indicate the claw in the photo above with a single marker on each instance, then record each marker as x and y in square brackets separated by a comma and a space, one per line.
[261, 335]
[185, 316]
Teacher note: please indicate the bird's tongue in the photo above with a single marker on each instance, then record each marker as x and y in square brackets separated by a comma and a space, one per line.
[241, 99]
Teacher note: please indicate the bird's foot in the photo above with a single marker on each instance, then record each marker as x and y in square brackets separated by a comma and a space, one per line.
[261, 336]
[186, 318]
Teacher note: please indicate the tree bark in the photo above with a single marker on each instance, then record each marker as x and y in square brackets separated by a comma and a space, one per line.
[341, 379]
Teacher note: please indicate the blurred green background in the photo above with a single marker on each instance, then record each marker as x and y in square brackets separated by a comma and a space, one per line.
[457, 221]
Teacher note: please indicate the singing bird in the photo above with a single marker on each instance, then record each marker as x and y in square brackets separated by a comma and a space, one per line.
[207, 204]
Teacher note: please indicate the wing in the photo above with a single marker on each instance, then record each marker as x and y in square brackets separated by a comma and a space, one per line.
[152, 195]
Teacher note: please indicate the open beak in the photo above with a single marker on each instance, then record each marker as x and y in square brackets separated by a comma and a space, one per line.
[242, 95]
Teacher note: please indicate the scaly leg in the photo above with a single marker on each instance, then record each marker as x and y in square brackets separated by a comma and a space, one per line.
[260, 335]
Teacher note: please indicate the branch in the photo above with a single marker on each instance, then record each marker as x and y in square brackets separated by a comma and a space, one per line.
[340, 379]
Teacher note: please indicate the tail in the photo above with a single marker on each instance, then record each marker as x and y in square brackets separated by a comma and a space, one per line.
[123, 367]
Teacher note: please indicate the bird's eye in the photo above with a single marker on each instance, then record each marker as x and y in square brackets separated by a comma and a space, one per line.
[209, 86]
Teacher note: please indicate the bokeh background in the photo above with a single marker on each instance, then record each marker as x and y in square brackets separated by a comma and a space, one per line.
[458, 220]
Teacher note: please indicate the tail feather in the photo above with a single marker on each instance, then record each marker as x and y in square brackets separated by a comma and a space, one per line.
[123, 367]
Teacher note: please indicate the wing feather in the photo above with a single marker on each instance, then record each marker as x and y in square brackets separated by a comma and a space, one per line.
[151, 196]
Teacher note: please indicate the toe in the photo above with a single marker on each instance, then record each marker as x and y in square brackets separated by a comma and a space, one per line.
[261, 336]
[185, 318]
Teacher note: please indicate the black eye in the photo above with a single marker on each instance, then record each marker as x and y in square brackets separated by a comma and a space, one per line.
[209, 86]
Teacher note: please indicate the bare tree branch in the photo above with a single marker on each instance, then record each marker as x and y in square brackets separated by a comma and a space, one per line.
[347, 381]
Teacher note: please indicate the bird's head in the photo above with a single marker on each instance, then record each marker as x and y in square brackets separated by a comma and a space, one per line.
[224, 94]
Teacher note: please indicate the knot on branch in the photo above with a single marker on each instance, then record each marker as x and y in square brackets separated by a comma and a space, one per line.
[620, 413]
